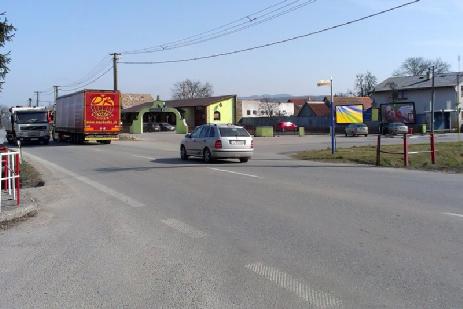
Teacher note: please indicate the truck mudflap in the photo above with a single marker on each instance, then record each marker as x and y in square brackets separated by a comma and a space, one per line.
[102, 137]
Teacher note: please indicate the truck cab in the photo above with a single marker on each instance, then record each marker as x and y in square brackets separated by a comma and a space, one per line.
[27, 124]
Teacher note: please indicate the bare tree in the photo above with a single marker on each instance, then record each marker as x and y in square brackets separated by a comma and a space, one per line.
[268, 108]
[365, 84]
[189, 89]
[417, 66]
[6, 34]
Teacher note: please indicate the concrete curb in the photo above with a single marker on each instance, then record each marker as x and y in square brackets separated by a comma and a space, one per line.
[30, 210]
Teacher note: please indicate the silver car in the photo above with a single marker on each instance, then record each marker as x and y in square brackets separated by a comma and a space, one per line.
[395, 128]
[356, 129]
[215, 141]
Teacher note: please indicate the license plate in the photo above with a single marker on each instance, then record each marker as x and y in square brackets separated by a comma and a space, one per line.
[34, 139]
[237, 142]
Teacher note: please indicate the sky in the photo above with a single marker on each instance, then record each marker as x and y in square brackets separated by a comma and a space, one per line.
[61, 42]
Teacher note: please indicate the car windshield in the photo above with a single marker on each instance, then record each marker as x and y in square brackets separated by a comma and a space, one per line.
[228, 132]
[31, 117]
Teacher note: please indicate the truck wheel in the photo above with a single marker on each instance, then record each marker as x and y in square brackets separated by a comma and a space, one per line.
[105, 142]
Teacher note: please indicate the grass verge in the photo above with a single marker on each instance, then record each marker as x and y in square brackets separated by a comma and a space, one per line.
[449, 157]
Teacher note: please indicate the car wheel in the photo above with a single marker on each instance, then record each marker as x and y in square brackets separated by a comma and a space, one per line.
[345, 134]
[244, 160]
[207, 156]
[183, 153]
[366, 135]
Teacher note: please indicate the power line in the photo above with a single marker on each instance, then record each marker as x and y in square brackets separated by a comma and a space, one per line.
[94, 71]
[90, 82]
[277, 42]
[264, 15]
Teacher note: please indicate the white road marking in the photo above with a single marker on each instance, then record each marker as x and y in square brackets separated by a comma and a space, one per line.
[96, 185]
[452, 214]
[184, 228]
[232, 172]
[97, 150]
[316, 298]
[144, 157]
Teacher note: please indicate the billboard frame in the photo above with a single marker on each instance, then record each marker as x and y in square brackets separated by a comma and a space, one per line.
[397, 103]
[345, 123]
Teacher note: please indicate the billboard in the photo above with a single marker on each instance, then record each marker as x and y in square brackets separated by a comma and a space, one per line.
[349, 114]
[398, 112]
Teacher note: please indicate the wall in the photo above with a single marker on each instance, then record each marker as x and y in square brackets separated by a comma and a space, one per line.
[314, 124]
[226, 108]
[283, 108]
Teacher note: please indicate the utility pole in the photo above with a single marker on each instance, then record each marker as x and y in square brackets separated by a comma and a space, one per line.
[433, 96]
[115, 58]
[458, 101]
[36, 98]
[55, 88]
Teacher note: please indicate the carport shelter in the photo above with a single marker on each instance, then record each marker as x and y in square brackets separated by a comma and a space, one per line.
[195, 112]
[137, 119]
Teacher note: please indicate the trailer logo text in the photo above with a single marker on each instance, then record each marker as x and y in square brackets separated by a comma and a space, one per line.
[102, 107]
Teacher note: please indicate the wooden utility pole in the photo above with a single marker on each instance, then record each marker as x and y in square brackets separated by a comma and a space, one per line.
[55, 88]
[115, 58]
[36, 98]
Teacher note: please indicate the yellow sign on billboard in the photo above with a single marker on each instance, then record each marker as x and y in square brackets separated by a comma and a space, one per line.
[349, 114]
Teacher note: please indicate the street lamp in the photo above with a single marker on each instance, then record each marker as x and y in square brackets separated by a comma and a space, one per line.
[329, 83]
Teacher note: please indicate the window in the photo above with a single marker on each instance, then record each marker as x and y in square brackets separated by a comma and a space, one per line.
[461, 91]
[204, 132]
[196, 132]
[248, 112]
[212, 132]
[229, 132]
[216, 115]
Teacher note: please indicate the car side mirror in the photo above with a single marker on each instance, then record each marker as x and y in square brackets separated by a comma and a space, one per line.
[188, 135]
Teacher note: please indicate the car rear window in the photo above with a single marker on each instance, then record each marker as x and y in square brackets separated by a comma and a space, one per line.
[229, 132]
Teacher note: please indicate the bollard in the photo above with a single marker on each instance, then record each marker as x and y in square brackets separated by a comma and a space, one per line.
[17, 183]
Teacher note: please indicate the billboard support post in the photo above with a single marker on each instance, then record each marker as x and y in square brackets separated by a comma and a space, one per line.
[433, 149]
[332, 122]
[333, 129]
[378, 151]
[405, 150]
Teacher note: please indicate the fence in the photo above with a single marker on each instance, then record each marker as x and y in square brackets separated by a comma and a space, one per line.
[432, 150]
[9, 181]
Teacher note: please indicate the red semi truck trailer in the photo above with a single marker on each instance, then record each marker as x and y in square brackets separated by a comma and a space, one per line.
[88, 115]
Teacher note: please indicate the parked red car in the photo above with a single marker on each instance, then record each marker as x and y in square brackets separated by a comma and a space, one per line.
[286, 126]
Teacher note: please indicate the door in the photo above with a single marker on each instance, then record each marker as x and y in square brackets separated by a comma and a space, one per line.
[196, 147]
[189, 142]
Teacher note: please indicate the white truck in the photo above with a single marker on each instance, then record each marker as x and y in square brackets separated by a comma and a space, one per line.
[28, 124]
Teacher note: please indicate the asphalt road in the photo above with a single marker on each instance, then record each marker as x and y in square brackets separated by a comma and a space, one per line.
[130, 225]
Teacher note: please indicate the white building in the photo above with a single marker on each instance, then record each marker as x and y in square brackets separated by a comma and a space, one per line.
[418, 89]
[256, 108]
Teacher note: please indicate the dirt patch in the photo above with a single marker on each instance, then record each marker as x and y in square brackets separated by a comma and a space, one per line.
[30, 177]
[127, 137]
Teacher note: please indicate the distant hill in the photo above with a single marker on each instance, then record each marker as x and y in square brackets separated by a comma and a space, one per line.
[282, 97]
